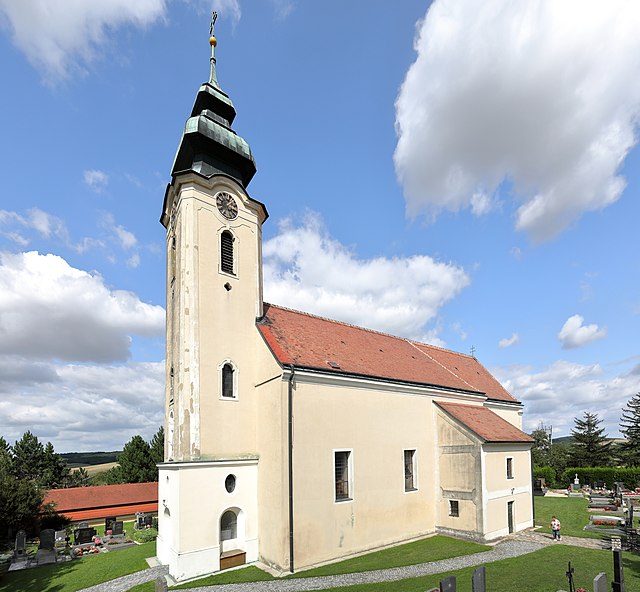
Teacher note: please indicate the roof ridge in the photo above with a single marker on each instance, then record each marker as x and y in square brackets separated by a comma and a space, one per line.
[375, 331]
[444, 367]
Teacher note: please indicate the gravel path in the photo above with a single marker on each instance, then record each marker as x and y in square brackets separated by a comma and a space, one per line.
[504, 550]
[127, 582]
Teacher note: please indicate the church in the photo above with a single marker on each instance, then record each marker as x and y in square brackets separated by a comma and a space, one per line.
[294, 440]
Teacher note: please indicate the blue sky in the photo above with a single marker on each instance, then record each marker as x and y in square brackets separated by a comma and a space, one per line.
[462, 173]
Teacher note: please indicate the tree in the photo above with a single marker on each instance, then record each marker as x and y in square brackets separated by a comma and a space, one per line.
[56, 472]
[78, 478]
[541, 451]
[136, 464]
[28, 457]
[157, 447]
[591, 447]
[630, 429]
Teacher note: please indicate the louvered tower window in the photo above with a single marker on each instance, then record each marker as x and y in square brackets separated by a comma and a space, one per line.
[226, 252]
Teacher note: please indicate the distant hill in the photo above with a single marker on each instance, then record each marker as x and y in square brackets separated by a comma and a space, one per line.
[84, 459]
[563, 440]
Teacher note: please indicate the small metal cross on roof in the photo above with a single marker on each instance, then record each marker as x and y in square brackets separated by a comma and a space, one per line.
[214, 17]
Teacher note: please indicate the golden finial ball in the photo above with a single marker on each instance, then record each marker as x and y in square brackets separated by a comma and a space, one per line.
[213, 41]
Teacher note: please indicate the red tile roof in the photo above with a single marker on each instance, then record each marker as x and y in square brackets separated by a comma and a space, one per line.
[84, 503]
[314, 342]
[486, 424]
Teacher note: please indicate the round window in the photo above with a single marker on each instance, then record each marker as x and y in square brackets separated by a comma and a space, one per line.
[230, 483]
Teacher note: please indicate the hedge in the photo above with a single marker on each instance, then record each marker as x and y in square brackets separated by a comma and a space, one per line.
[546, 473]
[589, 475]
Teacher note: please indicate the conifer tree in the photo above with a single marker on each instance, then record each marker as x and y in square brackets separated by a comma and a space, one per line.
[136, 464]
[591, 447]
[55, 472]
[28, 458]
[630, 429]
[157, 446]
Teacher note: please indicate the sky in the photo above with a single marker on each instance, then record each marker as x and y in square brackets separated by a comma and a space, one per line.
[463, 173]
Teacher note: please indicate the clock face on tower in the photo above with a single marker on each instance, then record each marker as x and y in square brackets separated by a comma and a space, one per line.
[227, 206]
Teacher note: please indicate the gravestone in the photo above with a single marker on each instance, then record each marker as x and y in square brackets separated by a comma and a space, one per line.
[161, 585]
[82, 536]
[83, 525]
[539, 486]
[630, 516]
[47, 539]
[618, 573]
[108, 521]
[46, 550]
[140, 520]
[148, 520]
[600, 583]
[20, 553]
[117, 528]
[479, 580]
[616, 543]
[448, 584]
[60, 536]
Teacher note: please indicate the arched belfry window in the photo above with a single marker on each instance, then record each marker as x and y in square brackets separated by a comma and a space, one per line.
[227, 381]
[226, 252]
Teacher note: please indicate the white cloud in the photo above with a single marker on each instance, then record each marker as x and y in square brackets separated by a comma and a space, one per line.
[59, 36]
[557, 394]
[575, 334]
[96, 179]
[544, 96]
[83, 407]
[306, 269]
[50, 310]
[509, 341]
[46, 226]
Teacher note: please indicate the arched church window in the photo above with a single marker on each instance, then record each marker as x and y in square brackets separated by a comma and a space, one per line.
[227, 381]
[226, 252]
[228, 526]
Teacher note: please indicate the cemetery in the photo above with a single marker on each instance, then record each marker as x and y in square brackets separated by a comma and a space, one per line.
[79, 540]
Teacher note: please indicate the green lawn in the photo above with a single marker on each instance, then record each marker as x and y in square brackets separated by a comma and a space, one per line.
[542, 571]
[79, 573]
[571, 511]
[423, 551]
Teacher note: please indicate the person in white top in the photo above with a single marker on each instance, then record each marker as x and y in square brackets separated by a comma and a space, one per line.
[555, 527]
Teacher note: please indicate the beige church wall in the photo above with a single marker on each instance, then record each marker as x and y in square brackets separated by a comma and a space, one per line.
[460, 476]
[376, 426]
[273, 493]
[499, 490]
[510, 413]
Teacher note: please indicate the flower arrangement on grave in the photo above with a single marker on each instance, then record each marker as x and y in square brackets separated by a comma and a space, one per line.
[81, 551]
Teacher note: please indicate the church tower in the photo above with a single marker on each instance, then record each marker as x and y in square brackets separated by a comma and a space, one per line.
[208, 482]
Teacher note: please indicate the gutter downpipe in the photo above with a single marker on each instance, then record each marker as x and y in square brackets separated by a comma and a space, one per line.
[290, 438]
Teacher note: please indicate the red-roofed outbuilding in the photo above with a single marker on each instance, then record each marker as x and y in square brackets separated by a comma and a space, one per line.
[81, 504]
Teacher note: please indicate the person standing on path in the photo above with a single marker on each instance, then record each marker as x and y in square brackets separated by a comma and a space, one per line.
[555, 527]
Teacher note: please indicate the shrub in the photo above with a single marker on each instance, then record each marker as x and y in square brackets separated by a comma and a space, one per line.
[145, 536]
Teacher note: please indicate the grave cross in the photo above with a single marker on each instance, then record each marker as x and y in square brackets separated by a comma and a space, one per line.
[570, 578]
